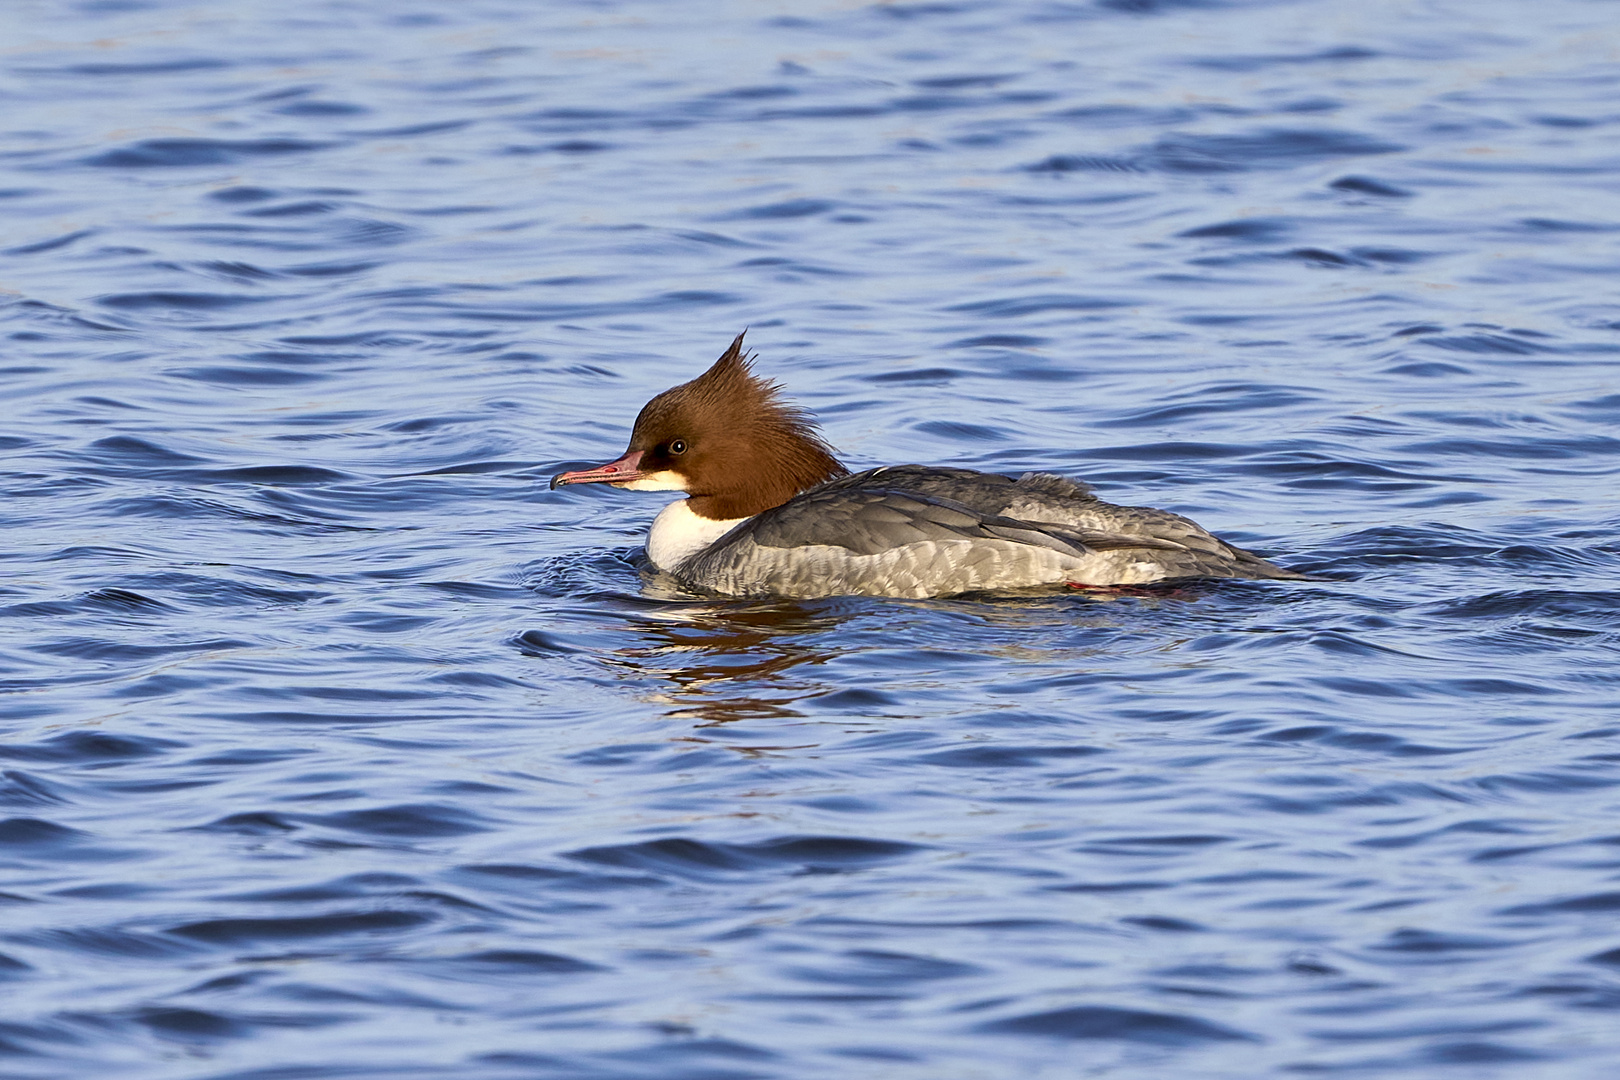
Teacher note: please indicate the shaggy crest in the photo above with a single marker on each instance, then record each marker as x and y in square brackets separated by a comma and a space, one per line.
[745, 449]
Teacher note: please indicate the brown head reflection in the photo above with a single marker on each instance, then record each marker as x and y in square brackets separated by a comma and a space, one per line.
[725, 662]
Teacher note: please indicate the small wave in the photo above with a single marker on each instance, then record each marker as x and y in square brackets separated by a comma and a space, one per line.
[196, 301]
[89, 748]
[186, 153]
[1015, 307]
[1367, 185]
[1108, 1022]
[790, 208]
[281, 931]
[685, 857]
[1067, 163]
[248, 376]
[1273, 148]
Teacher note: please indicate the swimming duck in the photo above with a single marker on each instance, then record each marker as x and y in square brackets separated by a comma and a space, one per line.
[770, 511]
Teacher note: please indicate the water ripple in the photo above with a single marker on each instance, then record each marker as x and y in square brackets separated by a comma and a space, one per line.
[333, 743]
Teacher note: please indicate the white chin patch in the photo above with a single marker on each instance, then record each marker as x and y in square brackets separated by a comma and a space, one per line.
[668, 480]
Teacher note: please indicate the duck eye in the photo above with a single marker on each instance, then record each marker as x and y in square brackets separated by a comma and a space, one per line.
[677, 446]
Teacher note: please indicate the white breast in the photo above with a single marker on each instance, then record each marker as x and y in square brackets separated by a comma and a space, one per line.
[677, 534]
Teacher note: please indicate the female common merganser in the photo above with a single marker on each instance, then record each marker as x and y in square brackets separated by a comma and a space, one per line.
[770, 511]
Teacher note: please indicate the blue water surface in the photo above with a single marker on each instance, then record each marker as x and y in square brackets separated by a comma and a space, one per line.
[333, 744]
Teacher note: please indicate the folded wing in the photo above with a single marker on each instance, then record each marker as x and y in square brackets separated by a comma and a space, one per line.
[896, 532]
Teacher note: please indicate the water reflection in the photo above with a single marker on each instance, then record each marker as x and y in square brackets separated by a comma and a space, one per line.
[724, 661]
[728, 660]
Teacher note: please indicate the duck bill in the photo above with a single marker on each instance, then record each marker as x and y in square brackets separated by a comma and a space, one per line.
[623, 471]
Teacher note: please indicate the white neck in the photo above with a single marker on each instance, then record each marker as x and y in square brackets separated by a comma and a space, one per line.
[677, 534]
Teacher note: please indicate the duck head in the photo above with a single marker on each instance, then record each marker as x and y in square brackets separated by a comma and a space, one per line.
[726, 438]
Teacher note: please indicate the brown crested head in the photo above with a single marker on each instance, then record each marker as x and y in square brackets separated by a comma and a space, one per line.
[736, 445]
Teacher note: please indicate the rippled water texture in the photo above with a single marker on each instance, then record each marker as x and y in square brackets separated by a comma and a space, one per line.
[334, 745]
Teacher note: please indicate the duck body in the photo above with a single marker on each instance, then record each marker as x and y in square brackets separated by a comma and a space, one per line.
[916, 531]
[901, 530]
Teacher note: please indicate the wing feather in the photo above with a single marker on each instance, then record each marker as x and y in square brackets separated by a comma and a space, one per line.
[912, 530]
